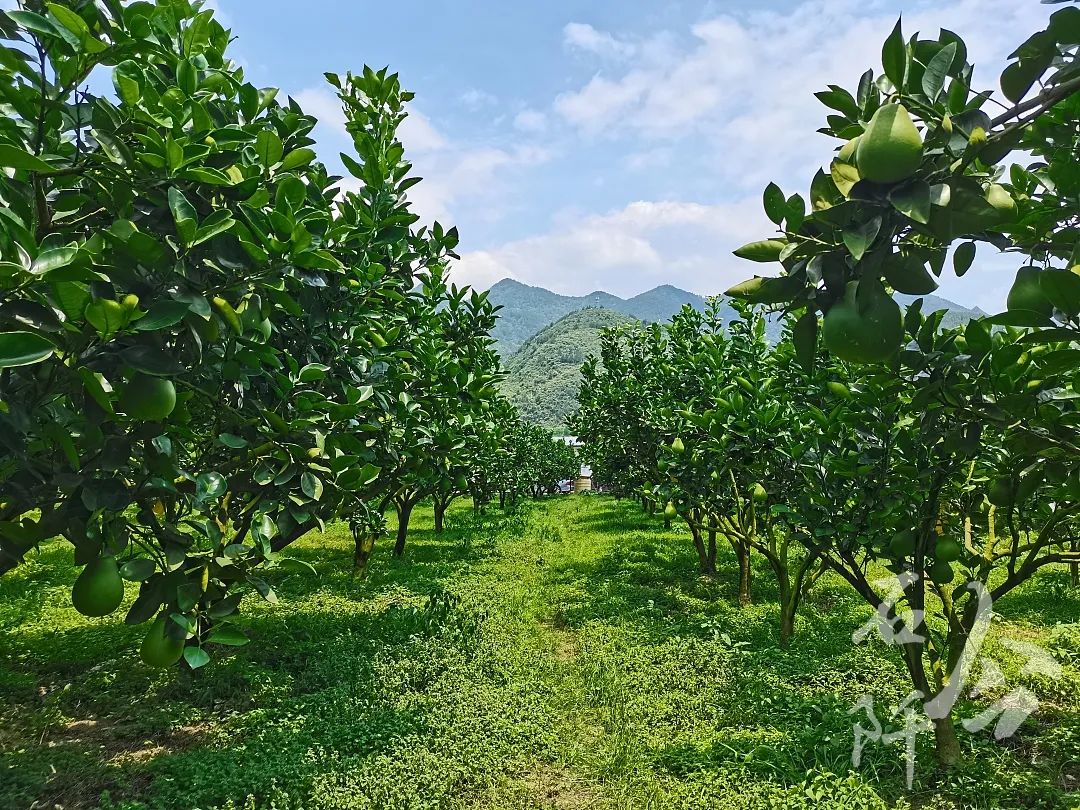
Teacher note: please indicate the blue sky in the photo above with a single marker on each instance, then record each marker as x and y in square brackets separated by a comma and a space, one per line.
[611, 145]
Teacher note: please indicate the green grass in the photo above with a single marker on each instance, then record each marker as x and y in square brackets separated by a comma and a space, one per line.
[567, 658]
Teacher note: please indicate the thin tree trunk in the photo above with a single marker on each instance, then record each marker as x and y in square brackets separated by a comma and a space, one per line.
[440, 513]
[745, 574]
[705, 566]
[404, 511]
[365, 545]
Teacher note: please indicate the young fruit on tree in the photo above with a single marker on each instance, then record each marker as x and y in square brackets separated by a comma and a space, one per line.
[866, 326]
[947, 550]
[758, 493]
[1026, 293]
[941, 572]
[148, 398]
[848, 150]
[891, 149]
[99, 590]
[902, 544]
[158, 649]
[677, 446]
[999, 197]
[669, 510]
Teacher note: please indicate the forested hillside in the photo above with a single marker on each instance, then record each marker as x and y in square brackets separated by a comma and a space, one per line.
[544, 375]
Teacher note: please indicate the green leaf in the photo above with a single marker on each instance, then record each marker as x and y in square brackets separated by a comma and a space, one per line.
[764, 250]
[184, 215]
[1019, 77]
[139, 569]
[775, 203]
[128, 81]
[313, 371]
[23, 349]
[196, 657]
[268, 147]
[34, 22]
[232, 440]
[217, 223]
[759, 290]
[936, 71]
[858, 240]
[311, 485]
[53, 259]
[963, 257]
[913, 201]
[297, 158]
[228, 636]
[894, 57]
[14, 157]
[162, 315]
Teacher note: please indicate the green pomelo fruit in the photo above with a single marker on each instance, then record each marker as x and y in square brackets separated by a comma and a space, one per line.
[941, 573]
[1026, 293]
[866, 329]
[99, 590]
[902, 544]
[891, 149]
[148, 398]
[847, 151]
[158, 649]
[758, 493]
[947, 550]
[1001, 199]
[670, 511]
[677, 446]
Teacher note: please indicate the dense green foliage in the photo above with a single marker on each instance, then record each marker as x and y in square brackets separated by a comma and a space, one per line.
[544, 375]
[207, 348]
[581, 668]
[950, 455]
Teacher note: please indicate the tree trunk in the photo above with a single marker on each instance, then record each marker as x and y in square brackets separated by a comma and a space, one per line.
[705, 565]
[742, 550]
[1074, 568]
[404, 511]
[946, 745]
[365, 545]
[712, 550]
[440, 513]
[787, 622]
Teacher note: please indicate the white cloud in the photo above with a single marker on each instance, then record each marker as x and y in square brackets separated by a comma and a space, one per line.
[628, 250]
[735, 97]
[454, 174]
[476, 99]
[744, 82]
[583, 37]
[529, 120]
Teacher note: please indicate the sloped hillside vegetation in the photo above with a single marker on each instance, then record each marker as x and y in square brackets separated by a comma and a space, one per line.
[544, 375]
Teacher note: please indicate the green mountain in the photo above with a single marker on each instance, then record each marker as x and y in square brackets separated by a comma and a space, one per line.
[543, 376]
[527, 310]
[544, 337]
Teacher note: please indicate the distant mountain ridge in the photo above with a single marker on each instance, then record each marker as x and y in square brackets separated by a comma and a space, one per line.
[544, 337]
[527, 309]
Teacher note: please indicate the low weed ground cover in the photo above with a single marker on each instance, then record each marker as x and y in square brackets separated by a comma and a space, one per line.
[565, 657]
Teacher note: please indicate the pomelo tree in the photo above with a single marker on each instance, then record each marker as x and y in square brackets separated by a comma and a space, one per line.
[199, 334]
[961, 453]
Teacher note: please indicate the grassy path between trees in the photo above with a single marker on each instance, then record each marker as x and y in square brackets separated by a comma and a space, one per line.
[565, 659]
